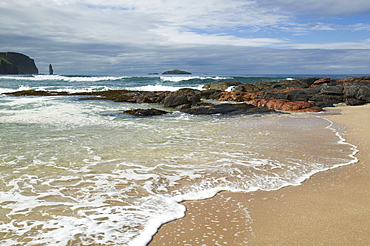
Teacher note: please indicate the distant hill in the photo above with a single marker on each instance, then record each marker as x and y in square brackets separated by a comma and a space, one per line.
[16, 63]
[176, 71]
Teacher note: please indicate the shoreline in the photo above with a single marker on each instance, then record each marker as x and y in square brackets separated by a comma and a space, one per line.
[329, 208]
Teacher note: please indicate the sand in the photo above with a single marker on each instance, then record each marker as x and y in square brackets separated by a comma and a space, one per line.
[330, 208]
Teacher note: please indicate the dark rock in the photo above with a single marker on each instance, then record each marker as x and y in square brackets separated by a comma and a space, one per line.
[211, 94]
[356, 93]
[332, 89]
[182, 96]
[37, 93]
[173, 100]
[16, 63]
[145, 112]
[226, 109]
[323, 100]
[302, 94]
[51, 71]
[147, 97]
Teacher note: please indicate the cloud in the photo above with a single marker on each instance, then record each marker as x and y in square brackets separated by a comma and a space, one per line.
[319, 7]
[359, 27]
[134, 21]
[365, 45]
[110, 36]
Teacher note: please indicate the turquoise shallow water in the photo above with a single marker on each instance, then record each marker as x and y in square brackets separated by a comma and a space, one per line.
[81, 172]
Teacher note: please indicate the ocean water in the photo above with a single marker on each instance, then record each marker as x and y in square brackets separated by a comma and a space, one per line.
[81, 172]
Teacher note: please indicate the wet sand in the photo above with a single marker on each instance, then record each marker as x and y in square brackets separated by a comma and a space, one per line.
[330, 208]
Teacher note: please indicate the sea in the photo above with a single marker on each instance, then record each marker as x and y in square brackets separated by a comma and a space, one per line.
[81, 172]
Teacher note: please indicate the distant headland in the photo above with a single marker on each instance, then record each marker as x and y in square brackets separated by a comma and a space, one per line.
[16, 63]
[176, 71]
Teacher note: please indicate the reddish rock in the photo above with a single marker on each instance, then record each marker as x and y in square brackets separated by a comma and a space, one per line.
[285, 105]
[359, 79]
[240, 96]
[345, 80]
[237, 96]
[321, 81]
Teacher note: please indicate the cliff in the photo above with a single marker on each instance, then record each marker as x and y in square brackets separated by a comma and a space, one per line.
[16, 63]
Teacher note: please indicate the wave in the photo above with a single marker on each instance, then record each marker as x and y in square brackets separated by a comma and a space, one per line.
[67, 78]
[105, 184]
[159, 87]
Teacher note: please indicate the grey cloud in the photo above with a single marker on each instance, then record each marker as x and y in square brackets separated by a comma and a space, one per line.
[81, 40]
[212, 59]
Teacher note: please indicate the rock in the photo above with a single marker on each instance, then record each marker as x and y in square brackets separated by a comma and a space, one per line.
[323, 100]
[183, 106]
[181, 97]
[226, 109]
[51, 71]
[222, 86]
[240, 96]
[302, 94]
[211, 94]
[176, 71]
[283, 84]
[237, 96]
[145, 112]
[321, 81]
[285, 105]
[16, 63]
[356, 93]
[332, 89]
[37, 93]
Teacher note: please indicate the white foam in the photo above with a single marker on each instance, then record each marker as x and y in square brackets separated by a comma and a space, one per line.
[342, 140]
[230, 88]
[174, 211]
[174, 78]
[63, 78]
[175, 149]
[6, 90]
[159, 87]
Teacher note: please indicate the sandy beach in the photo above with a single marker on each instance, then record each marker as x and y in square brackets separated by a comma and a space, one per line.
[330, 208]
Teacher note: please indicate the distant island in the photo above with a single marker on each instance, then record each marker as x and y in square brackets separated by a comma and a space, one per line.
[176, 71]
[16, 63]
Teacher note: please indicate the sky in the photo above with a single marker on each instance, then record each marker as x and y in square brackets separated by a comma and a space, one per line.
[203, 37]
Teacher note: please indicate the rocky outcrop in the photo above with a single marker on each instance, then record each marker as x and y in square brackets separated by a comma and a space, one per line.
[318, 93]
[307, 95]
[16, 63]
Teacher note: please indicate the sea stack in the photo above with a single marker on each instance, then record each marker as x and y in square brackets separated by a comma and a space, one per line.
[51, 71]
